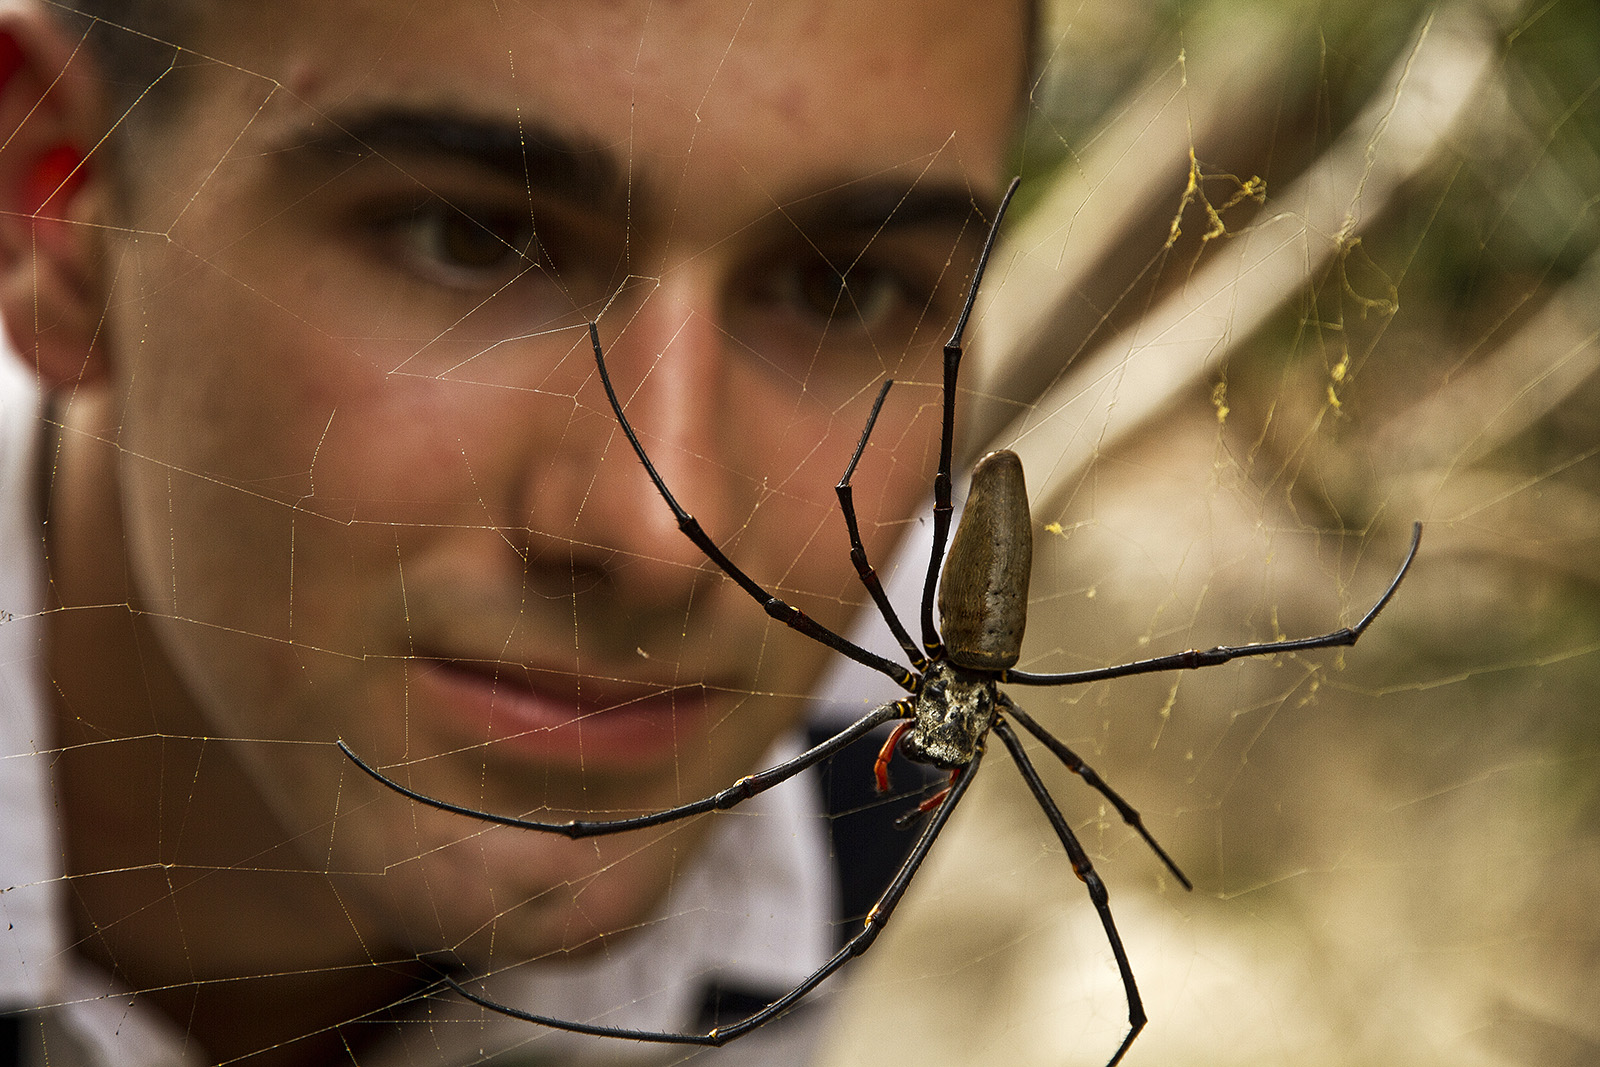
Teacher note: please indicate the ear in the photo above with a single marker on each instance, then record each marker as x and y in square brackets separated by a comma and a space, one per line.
[52, 197]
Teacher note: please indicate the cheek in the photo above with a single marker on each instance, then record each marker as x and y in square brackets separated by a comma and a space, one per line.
[274, 477]
[800, 527]
[220, 444]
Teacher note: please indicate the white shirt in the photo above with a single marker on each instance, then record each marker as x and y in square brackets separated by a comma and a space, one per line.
[754, 909]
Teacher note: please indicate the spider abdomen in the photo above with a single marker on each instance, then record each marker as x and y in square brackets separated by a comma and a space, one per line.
[983, 592]
[954, 711]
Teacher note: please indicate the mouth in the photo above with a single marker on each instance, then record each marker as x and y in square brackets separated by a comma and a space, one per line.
[556, 718]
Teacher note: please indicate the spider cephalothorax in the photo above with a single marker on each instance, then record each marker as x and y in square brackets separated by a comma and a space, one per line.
[954, 712]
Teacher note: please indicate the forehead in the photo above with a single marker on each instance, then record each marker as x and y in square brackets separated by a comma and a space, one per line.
[732, 101]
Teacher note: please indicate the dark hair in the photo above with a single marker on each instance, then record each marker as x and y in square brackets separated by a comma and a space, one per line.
[137, 45]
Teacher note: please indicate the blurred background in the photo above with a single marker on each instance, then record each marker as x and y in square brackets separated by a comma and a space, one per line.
[1285, 277]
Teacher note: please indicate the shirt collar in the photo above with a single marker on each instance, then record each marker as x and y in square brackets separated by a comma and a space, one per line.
[32, 924]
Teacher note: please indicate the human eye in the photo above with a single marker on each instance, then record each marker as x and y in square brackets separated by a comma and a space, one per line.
[844, 296]
[863, 296]
[837, 320]
[462, 247]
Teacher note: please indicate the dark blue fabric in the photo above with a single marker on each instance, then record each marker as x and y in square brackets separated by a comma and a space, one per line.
[12, 1027]
[867, 850]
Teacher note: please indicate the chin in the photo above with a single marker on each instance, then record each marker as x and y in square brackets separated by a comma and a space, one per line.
[506, 897]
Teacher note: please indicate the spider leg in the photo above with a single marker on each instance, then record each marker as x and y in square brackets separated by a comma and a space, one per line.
[880, 766]
[942, 505]
[929, 803]
[1086, 873]
[1210, 657]
[790, 616]
[1076, 765]
[858, 552]
[873, 925]
[741, 790]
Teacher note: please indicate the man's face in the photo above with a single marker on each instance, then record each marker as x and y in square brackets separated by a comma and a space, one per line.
[372, 485]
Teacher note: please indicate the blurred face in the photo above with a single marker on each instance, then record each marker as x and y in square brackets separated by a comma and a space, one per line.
[373, 488]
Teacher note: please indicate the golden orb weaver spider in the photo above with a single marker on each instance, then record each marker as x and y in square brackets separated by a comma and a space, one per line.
[953, 701]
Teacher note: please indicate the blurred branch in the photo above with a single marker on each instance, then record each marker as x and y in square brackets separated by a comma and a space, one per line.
[1129, 378]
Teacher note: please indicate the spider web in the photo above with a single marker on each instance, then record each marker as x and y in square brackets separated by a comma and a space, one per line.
[1283, 278]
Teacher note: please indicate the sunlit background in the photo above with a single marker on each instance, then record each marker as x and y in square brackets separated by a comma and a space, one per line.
[1290, 277]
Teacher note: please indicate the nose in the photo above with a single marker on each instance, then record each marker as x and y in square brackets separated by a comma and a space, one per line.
[666, 360]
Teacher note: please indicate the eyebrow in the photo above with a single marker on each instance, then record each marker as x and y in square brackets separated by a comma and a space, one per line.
[583, 172]
[591, 175]
[874, 204]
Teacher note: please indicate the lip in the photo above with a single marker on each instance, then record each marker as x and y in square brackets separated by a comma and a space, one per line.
[555, 718]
